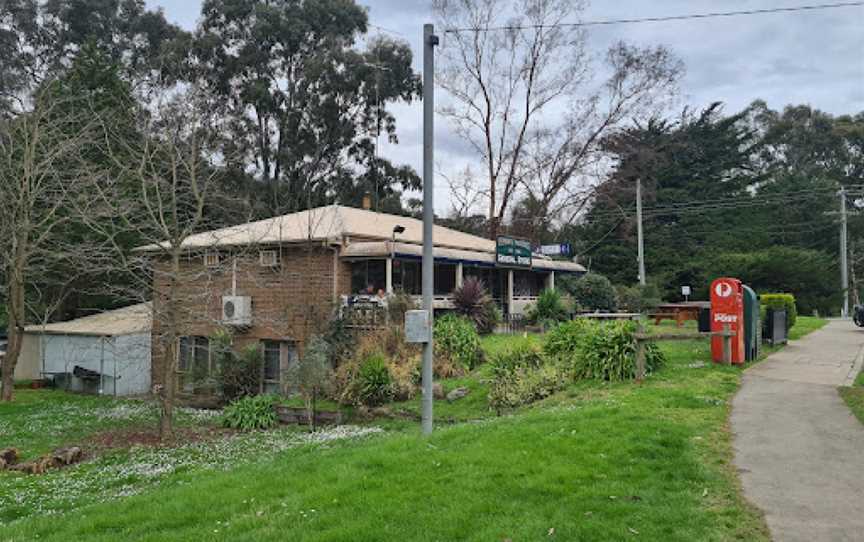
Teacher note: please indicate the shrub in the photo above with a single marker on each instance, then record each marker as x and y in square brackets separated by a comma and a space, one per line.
[457, 338]
[548, 310]
[472, 301]
[521, 376]
[399, 357]
[250, 413]
[637, 298]
[565, 341]
[592, 292]
[780, 302]
[238, 374]
[341, 339]
[312, 374]
[397, 304]
[608, 352]
[373, 381]
[806, 274]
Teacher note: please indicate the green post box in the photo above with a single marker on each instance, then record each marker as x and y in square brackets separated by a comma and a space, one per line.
[751, 324]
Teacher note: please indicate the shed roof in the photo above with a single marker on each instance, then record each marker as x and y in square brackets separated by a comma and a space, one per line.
[125, 321]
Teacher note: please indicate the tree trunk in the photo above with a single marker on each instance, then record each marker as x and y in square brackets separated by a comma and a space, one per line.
[14, 314]
[169, 374]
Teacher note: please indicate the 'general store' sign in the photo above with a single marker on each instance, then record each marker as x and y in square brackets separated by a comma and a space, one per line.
[513, 252]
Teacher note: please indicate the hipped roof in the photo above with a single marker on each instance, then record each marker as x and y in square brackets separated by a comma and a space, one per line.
[341, 225]
[332, 223]
[126, 321]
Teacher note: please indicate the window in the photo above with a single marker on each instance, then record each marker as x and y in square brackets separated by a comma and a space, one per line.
[268, 258]
[368, 276]
[528, 283]
[211, 259]
[494, 281]
[193, 364]
[445, 278]
[280, 358]
[407, 275]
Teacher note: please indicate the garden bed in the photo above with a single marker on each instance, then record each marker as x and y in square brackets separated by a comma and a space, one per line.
[289, 415]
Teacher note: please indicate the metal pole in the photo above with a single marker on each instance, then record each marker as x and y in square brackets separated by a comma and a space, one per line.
[844, 266]
[639, 231]
[430, 40]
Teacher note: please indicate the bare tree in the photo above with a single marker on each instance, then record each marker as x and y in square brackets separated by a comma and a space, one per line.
[44, 175]
[525, 96]
[166, 190]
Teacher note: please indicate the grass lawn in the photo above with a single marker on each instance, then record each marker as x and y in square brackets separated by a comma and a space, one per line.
[594, 462]
[854, 396]
[39, 421]
[805, 325]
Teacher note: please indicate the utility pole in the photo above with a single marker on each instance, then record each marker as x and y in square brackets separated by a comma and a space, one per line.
[844, 266]
[430, 40]
[639, 231]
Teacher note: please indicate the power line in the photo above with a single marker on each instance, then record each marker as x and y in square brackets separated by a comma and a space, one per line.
[708, 15]
[725, 203]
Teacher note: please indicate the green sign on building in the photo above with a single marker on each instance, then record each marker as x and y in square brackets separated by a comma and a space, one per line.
[511, 252]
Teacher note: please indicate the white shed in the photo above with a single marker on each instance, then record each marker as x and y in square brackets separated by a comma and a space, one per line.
[106, 353]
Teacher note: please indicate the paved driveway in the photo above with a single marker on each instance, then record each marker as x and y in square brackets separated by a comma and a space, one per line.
[798, 448]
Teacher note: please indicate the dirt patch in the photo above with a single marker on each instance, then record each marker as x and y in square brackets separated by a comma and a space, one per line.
[128, 438]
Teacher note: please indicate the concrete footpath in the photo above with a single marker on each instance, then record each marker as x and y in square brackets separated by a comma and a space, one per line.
[798, 448]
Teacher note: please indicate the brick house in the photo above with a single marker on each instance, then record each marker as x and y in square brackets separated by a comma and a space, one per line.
[275, 282]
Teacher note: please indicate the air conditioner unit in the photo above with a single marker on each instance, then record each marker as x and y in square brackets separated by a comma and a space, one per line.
[237, 310]
[268, 258]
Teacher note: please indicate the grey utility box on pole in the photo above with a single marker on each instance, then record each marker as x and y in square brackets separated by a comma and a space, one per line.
[417, 328]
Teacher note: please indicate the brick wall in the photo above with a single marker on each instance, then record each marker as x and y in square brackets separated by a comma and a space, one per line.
[289, 302]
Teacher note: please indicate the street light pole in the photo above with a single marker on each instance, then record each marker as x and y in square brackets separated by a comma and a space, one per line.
[844, 265]
[641, 238]
[430, 40]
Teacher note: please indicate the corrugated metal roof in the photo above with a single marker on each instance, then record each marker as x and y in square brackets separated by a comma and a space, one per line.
[125, 321]
[332, 223]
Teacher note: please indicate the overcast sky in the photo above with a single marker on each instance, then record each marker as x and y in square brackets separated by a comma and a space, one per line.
[813, 57]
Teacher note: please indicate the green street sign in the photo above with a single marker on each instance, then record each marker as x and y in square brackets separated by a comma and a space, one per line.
[512, 252]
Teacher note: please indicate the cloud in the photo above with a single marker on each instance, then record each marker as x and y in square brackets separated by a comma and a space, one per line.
[812, 57]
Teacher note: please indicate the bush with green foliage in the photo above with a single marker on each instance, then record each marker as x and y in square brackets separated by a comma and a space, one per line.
[592, 292]
[473, 301]
[607, 351]
[548, 310]
[312, 374]
[565, 341]
[374, 385]
[398, 303]
[250, 413]
[341, 339]
[806, 274]
[638, 298]
[237, 374]
[781, 302]
[523, 375]
[457, 338]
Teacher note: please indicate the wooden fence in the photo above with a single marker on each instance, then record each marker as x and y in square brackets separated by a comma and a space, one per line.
[642, 340]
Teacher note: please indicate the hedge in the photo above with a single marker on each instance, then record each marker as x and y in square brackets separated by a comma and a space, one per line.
[781, 302]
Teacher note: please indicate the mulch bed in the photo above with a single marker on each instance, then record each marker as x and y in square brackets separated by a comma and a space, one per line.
[127, 438]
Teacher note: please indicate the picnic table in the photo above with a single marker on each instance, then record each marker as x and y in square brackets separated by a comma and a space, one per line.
[609, 315]
[680, 312]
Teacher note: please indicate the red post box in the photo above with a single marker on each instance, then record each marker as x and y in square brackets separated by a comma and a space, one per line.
[727, 308]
